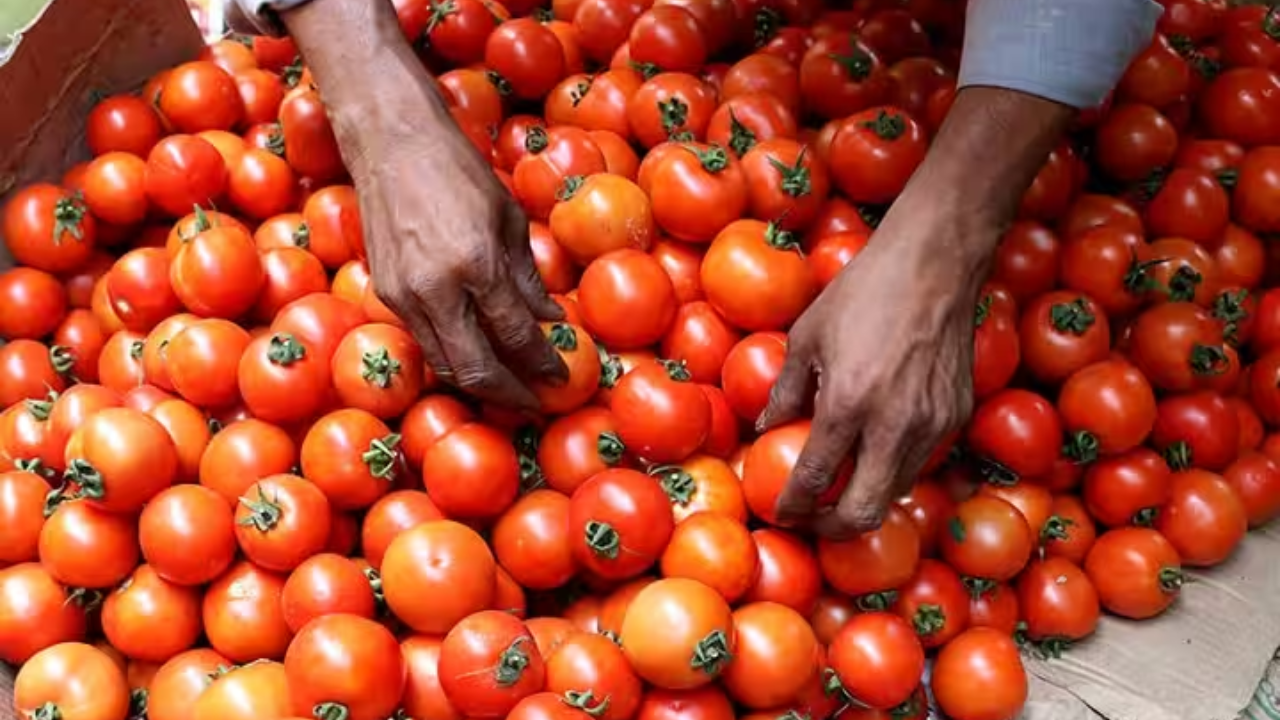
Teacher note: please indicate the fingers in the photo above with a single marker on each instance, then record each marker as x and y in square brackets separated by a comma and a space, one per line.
[791, 391]
[473, 365]
[523, 269]
[866, 500]
[516, 334]
[830, 440]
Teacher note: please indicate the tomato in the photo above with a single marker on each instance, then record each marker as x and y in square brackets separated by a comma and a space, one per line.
[1049, 195]
[1017, 433]
[557, 156]
[437, 573]
[765, 258]
[1027, 260]
[996, 349]
[423, 696]
[378, 368]
[701, 340]
[345, 662]
[994, 606]
[83, 546]
[282, 520]
[1191, 204]
[48, 228]
[244, 452]
[979, 676]
[36, 612]
[830, 254]
[697, 190]
[472, 472]
[186, 534]
[1107, 408]
[622, 521]
[1062, 332]
[200, 96]
[261, 184]
[218, 273]
[1177, 346]
[352, 456]
[1059, 604]
[987, 538]
[122, 459]
[741, 122]
[840, 76]
[789, 573]
[600, 214]
[1197, 429]
[877, 659]
[531, 540]
[1240, 259]
[259, 689]
[473, 649]
[84, 337]
[527, 56]
[1069, 532]
[669, 37]
[122, 123]
[114, 188]
[1186, 271]
[1238, 104]
[577, 446]
[74, 680]
[749, 371]
[1133, 140]
[875, 561]
[151, 619]
[202, 362]
[22, 496]
[659, 413]
[177, 683]
[282, 379]
[457, 32]
[702, 483]
[37, 302]
[671, 106]
[243, 618]
[1204, 519]
[1256, 188]
[715, 550]
[697, 639]
[935, 602]
[1256, 479]
[1109, 265]
[310, 146]
[1092, 211]
[184, 171]
[1136, 571]
[1127, 488]
[875, 152]
[594, 669]
[775, 656]
[581, 357]
[768, 466]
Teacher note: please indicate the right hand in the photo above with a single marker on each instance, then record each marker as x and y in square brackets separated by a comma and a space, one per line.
[449, 252]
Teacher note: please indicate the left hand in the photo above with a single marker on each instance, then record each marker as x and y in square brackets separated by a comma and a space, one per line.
[889, 348]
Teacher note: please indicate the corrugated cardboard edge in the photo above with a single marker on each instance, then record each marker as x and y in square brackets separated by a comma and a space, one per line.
[1202, 660]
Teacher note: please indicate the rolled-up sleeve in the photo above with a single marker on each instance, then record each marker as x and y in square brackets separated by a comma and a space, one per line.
[1068, 51]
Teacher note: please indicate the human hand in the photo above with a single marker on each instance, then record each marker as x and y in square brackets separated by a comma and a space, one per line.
[888, 346]
[449, 252]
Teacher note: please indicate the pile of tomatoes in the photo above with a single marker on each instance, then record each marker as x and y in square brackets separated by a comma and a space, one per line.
[233, 490]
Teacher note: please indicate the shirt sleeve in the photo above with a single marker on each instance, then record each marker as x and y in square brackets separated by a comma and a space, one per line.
[1069, 51]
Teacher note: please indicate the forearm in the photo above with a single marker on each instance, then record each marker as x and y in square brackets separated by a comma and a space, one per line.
[1028, 65]
[367, 73]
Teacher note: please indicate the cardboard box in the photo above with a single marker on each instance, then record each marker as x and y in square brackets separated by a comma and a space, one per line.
[1200, 661]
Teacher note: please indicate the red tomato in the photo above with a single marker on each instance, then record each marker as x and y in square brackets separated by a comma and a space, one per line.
[1017, 432]
[472, 472]
[987, 538]
[749, 371]
[622, 521]
[979, 676]
[840, 76]
[769, 464]
[1107, 408]
[594, 669]
[185, 171]
[532, 542]
[1204, 519]
[1062, 332]
[49, 229]
[878, 659]
[1059, 603]
[1197, 429]
[678, 634]
[755, 276]
[1177, 345]
[122, 123]
[660, 414]
[437, 573]
[282, 379]
[874, 153]
[345, 661]
[527, 56]
[875, 561]
[470, 652]
[1133, 140]
[715, 550]
[1136, 571]
[1027, 260]
[935, 602]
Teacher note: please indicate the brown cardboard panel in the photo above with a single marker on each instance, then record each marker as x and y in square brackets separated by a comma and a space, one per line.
[79, 49]
[1202, 660]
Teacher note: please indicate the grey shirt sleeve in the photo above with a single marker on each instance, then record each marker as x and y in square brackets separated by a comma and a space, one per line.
[1070, 51]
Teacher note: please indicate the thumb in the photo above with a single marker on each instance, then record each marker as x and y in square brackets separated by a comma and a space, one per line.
[524, 271]
[791, 392]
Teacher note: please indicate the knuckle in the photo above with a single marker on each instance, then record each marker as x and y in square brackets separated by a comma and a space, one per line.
[811, 476]
[472, 374]
[422, 284]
